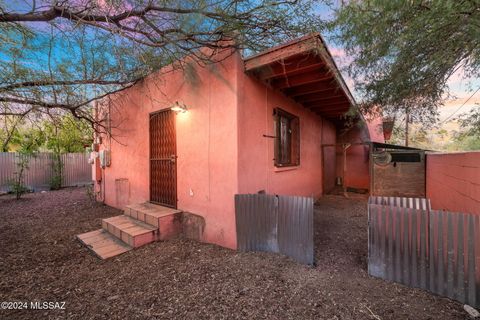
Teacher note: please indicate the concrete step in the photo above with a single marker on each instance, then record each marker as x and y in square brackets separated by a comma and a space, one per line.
[103, 244]
[141, 224]
[133, 232]
[167, 220]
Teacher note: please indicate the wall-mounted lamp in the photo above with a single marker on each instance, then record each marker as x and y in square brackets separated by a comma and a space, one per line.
[178, 107]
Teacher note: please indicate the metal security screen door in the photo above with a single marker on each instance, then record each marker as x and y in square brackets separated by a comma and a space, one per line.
[163, 168]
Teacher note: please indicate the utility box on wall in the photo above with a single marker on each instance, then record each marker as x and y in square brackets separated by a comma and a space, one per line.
[397, 171]
[104, 156]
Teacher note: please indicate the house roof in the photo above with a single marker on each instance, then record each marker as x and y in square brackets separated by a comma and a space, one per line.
[304, 70]
[394, 146]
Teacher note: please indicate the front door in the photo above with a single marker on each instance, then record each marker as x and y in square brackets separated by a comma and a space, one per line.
[163, 168]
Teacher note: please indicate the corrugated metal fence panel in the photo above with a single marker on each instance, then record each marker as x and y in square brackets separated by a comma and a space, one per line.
[275, 224]
[295, 228]
[76, 170]
[455, 256]
[39, 172]
[256, 219]
[7, 169]
[398, 244]
[437, 251]
[416, 203]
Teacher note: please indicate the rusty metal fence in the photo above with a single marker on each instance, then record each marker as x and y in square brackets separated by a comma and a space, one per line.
[434, 250]
[282, 224]
[75, 170]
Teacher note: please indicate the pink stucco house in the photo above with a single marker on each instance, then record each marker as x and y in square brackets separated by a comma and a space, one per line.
[190, 139]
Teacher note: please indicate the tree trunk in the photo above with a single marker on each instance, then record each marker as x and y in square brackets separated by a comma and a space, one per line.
[407, 120]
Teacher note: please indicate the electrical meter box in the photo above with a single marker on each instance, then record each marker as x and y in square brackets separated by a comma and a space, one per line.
[104, 156]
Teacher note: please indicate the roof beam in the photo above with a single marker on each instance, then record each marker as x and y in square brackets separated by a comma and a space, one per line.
[283, 52]
[317, 98]
[334, 114]
[338, 107]
[304, 79]
[290, 70]
[326, 105]
[330, 93]
[297, 92]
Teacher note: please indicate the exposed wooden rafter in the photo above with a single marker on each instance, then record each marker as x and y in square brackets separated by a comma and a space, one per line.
[305, 79]
[290, 70]
[326, 106]
[317, 98]
[305, 72]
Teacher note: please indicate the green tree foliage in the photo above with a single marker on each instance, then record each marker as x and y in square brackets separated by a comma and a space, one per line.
[26, 139]
[471, 122]
[465, 142]
[404, 52]
[59, 134]
[469, 137]
[28, 145]
[62, 135]
[9, 129]
[66, 134]
[418, 137]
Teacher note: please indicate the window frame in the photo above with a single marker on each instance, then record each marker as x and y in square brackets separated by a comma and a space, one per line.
[293, 141]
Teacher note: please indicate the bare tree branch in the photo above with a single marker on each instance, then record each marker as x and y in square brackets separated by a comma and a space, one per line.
[53, 82]
[92, 50]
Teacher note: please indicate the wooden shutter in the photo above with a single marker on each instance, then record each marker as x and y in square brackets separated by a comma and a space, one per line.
[295, 141]
[287, 138]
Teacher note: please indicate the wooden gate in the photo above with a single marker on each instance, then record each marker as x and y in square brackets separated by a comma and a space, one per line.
[163, 168]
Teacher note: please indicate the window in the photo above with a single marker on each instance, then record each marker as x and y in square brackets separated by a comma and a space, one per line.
[406, 157]
[287, 138]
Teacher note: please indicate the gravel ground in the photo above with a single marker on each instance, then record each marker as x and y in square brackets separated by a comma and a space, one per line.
[41, 261]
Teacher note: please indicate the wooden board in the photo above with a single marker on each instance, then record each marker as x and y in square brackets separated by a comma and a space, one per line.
[103, 244]
[405, 179]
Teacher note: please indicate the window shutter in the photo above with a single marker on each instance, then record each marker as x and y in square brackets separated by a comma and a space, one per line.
[287, 138]
[277, 138]
[295, 140]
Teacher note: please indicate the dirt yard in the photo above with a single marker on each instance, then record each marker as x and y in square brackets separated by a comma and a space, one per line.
[41, 261]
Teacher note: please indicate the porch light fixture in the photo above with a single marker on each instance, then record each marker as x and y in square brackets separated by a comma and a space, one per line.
[178, 107]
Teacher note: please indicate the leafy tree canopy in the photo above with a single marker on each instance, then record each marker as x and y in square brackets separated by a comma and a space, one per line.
[60, 134]
[404, 52]
[471, 122]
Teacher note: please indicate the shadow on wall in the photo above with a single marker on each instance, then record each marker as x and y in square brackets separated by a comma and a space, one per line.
[193, 226]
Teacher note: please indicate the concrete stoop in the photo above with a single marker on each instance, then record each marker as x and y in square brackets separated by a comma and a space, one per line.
[139, 225]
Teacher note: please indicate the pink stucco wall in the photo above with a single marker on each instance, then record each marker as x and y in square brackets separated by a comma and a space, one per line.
[358, 162]
[375, 129]
[220, 145]
[329, 156]
[453, 181]
[206, 143]
[256, 167]
[357, 174]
